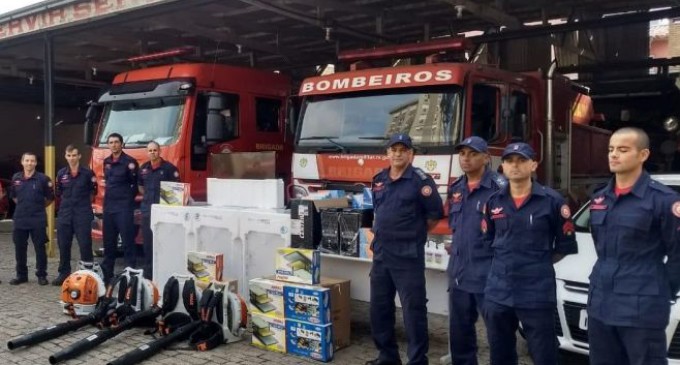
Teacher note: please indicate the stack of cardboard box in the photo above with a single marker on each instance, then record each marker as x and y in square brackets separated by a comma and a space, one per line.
[298, 312]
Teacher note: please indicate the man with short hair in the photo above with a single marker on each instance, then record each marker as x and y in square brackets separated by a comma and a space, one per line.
[76, 186]
[120, 174]
[151, 174]
[470, 253]
[406, 205]
[31, 191]
[531, 228]
[635, 223]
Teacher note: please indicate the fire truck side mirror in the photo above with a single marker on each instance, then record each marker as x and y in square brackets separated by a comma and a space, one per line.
[292, 117]
[91, 116]
[215, 123]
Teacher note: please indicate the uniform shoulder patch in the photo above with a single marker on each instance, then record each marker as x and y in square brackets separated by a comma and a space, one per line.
[565, 212]
[675, 209]
[421, 173]
[426, 190]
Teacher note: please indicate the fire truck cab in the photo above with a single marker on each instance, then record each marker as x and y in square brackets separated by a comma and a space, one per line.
[347, 117]
[193, 111]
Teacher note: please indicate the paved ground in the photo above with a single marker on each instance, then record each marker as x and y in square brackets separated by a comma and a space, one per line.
[30, 306]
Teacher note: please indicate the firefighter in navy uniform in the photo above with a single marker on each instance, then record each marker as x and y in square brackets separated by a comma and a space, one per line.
[635, 223]
[120, 175]
[76, 186]
[470, 253]
[31, 192]
[151, 173]
[406, 205]
[530, 227]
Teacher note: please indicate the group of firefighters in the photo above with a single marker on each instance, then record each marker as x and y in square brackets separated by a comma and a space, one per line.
[508, 231]
[76, 187]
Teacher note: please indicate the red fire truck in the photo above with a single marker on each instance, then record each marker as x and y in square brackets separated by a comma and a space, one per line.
[193, 111]
[347, 117]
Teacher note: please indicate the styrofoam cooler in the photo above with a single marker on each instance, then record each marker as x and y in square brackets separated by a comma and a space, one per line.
[216, 230]
[172, 237]
[265, 194]
[262, 232]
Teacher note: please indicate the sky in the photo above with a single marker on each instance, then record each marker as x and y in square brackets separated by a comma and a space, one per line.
[9, 5]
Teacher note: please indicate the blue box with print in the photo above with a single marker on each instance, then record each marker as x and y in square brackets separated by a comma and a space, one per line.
[307, 303]
[314, 341]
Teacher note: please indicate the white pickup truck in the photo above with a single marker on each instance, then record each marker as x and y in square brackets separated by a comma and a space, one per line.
[572, 288]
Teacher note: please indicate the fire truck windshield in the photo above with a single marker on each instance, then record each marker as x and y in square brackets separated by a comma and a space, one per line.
[143, 120]
[367, 120]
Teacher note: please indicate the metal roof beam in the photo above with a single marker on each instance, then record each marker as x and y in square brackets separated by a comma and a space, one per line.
[353, 8]
[489, 13]
[321, 23]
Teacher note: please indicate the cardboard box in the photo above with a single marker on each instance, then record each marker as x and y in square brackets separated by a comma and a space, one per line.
[175, 193]
[341, 310]
[298, 265]
[306, 220]
[266, 296]
[314, 341]
[350, 222]
[330, 235]
[307, 303]
[269, 333]
[228, 284]
[252, 193]
[205, 266]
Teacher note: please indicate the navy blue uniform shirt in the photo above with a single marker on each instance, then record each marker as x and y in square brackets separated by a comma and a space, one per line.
[76, 194]
[402, 208]
[150, 178]
[32, 195]
[121, 183]
[470, 252]
[630, 284]
[524, 240]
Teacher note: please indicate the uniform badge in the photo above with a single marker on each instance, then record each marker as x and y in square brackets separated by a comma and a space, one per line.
[94, 179]
[598, 200]
[426, 190]
[568, 228]
[565, 212]
[496, 211]
[176, 173]
[676, 209]
[457, 197]
[131, 166]
[49, 184]
[484, 227]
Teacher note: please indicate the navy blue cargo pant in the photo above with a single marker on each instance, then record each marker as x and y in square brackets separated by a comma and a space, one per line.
[410, 285]
[82, 230]
[614, 345]
[39, 238]
[464, 309]
[539, 328]
[118, 223]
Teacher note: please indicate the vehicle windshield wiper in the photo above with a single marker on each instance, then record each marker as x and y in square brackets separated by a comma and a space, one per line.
[138, 143]
[380, 138]
[327, 138]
